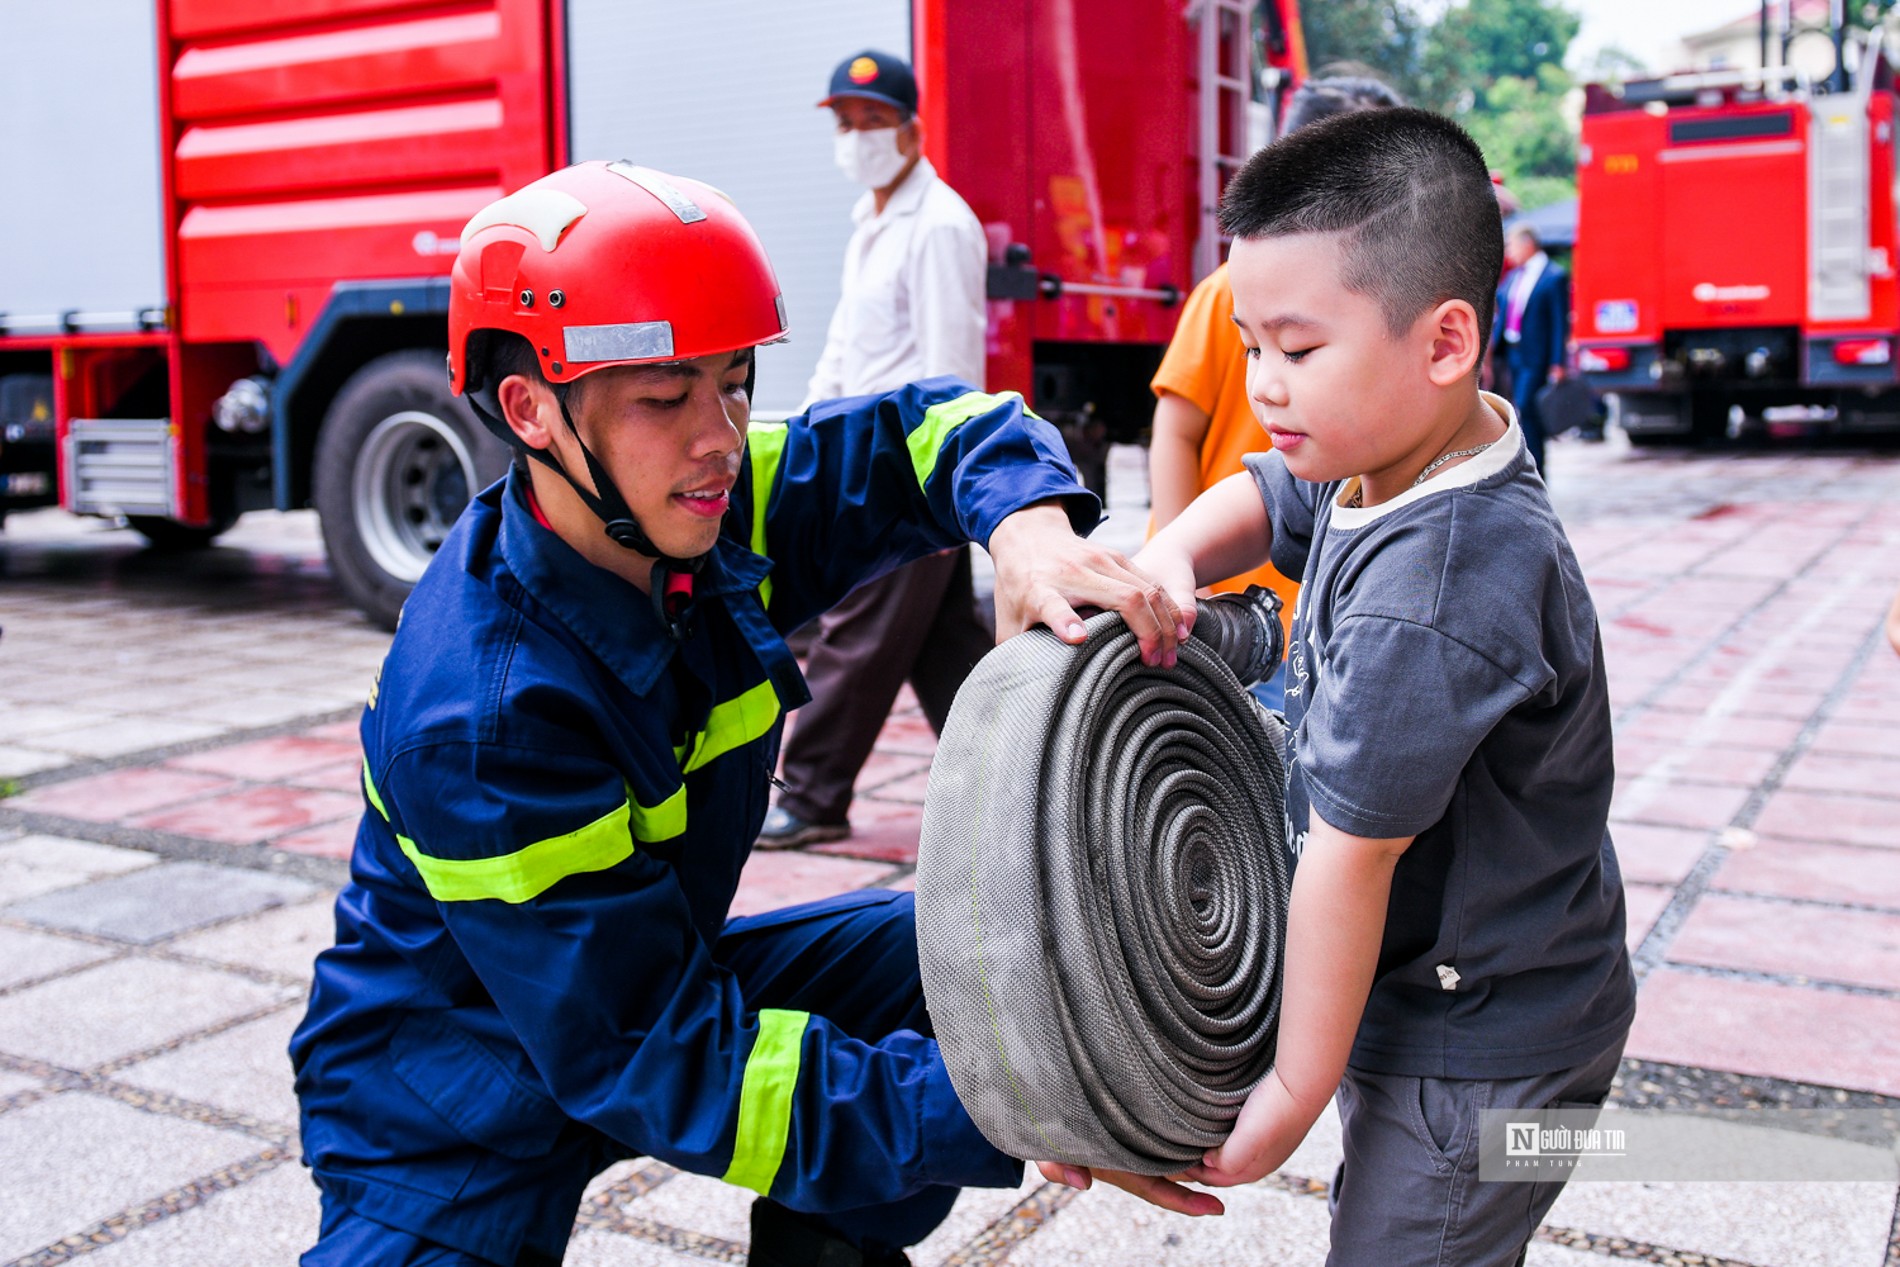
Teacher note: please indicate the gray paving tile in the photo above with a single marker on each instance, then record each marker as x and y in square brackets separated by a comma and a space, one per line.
[151, 905]
[33, 865]
[266, 1222]
[1787, 1224]
[699, 1204]
[1107, 1228]
[591, 1248]
[245, 1069]
[90, 1158]
[18, 762]
[285, 940]
[14, 1083]
[116, 1009]
[122, 736]
[24, 955]
[975, 1210]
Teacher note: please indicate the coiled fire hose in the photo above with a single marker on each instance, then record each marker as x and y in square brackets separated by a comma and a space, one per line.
[1102, 888]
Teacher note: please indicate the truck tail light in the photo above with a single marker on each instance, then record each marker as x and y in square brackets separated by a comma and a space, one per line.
[1603, 360]
[1864, 352]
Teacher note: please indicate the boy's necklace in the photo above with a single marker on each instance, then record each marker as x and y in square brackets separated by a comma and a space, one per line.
[1357, 501]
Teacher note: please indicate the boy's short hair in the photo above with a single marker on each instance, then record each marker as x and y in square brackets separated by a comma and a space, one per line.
[1408, 191]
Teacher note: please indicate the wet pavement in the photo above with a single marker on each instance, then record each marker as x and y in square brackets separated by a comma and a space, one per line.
[178, 791]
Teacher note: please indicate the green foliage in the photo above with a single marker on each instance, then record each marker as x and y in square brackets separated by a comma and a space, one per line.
[1386, 36]
[1494, 65]
[9, 787]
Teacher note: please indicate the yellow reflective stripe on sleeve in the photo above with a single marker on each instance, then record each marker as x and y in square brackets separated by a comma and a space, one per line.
[943, 418]
[765, 447]
[733, 724]
[765, 1102]
[660, 822]
[527, 872]
[369, 789]
[532, 870]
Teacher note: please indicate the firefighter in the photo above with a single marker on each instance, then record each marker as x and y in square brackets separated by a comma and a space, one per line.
[567, 754]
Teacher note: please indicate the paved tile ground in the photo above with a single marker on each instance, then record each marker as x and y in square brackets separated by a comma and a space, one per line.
[178, 766]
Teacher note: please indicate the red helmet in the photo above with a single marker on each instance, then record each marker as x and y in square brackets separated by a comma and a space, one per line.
[604, 264]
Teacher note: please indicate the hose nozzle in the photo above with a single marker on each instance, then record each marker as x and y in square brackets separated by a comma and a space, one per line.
[1244, 631]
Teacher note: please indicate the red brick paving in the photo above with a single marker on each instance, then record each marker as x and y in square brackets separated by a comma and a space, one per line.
[776, 879]
[255, 814]
[1827, 1037]
[105, 798]
[1819, 942]
[1677, 804]
[1658, 855]
[1643, 902]
[267, 760]
[331, 840]
[1838, 772]
[1822, 873]
[1831, 818]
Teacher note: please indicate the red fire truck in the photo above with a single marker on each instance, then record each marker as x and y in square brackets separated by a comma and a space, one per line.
[1736, 255]
[224, 280]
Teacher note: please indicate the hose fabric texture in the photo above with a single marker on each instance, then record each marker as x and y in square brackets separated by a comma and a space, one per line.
[1102, 888]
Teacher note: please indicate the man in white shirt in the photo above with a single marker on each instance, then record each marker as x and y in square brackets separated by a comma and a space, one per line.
[912, 307]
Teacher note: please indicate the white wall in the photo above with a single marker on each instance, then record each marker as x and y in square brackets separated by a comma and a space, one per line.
[724, 91]
[82, 212]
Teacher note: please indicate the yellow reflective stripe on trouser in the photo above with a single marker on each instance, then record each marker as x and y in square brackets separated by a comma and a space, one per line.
[765, 447]
[943, 418]
[532, 870]
[765, 1103]
[733, 724]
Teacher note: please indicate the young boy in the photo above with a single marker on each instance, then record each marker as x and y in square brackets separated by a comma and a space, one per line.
[1455, 942]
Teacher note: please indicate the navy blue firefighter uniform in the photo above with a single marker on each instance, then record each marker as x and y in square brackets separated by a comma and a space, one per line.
[535, 974]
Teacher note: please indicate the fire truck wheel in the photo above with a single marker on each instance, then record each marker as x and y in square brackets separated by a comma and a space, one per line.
[397, 459]
[167, 534]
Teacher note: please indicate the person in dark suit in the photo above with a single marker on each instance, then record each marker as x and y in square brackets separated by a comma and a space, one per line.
[1532, 329]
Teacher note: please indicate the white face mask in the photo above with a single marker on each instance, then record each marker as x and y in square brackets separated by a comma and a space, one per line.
[871, 157]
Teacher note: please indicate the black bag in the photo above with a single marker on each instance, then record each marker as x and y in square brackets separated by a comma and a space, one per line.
[1566, 405]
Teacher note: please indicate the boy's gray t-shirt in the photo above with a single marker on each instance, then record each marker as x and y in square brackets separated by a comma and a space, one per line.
[1445, 680]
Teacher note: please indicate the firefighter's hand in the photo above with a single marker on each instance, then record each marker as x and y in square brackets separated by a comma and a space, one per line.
[1153, 1189]
[1044, 572]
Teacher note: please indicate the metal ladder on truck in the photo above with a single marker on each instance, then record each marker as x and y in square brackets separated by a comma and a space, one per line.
[1225, 62]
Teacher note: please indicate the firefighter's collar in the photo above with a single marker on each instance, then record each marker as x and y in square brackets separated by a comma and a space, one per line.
[607, 614]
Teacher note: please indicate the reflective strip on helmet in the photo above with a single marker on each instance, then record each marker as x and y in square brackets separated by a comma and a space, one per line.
[942, 419]
[544, 212]
[532, 870]
[765, 447]
[765, 1102]
[660, 187]
[634, 341]
[733, 724]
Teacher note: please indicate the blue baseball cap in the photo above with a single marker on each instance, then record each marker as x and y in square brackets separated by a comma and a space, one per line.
[877, 77]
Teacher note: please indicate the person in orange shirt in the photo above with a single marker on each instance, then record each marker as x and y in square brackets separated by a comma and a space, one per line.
[1203, 423]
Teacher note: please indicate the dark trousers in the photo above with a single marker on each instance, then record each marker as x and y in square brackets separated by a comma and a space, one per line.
[918, 624]
[1526, 382]
[851, 959]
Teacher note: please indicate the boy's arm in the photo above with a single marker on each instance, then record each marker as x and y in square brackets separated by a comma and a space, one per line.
[1223, 532]
[1174, 456]
[1335, 926]
[1893, 625]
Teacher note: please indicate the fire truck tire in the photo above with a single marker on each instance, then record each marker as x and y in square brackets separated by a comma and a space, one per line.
[397, 459]
[168, 534]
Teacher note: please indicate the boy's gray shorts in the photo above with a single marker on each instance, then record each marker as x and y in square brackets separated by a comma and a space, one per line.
[1408, 1193]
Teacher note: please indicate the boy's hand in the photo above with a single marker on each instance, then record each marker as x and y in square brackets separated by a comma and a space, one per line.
[1154, 1189]
[1175, 570]
[1272, 1124]
[1044, 572]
